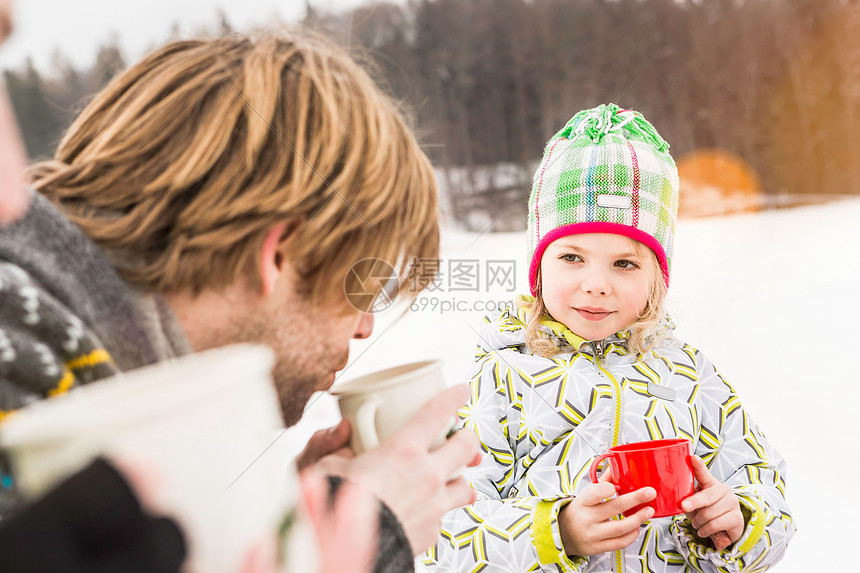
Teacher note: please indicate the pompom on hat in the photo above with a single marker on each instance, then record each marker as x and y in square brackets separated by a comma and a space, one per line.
[606, 171]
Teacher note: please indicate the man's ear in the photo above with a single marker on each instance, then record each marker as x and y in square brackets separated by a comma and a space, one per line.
[273, 259]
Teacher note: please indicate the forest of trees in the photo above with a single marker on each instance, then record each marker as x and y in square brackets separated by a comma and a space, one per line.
[775, 82]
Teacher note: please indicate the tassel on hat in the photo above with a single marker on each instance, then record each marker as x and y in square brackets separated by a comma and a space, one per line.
[597, 122]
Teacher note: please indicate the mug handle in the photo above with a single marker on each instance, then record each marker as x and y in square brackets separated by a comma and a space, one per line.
[593, 470]
[365, 420]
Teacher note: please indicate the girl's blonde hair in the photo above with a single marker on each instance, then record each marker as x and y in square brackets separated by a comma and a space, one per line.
[643, 334]
[182, 164]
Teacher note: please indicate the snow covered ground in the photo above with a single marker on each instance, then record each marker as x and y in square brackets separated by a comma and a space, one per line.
[772, 298]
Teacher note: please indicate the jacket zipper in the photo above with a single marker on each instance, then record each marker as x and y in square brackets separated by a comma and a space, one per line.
[598, 349]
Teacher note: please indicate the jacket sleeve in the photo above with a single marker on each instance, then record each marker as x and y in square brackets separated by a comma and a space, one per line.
[45, 350]
[738, 454]
[500, 531]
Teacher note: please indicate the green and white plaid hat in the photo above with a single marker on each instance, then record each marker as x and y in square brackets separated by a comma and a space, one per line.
[606, 171]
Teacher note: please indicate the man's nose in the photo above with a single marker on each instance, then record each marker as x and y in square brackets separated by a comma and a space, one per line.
[364, 327]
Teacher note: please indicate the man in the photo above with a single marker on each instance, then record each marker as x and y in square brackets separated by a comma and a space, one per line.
[216, 192]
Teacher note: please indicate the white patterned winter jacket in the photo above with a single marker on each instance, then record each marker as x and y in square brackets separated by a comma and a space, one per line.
[542, 421]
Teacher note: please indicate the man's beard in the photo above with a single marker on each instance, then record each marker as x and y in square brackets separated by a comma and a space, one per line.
[294, 390]
[308, 345]
[306, 354]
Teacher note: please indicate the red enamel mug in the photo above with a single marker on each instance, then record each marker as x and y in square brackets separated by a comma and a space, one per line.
[662, 464]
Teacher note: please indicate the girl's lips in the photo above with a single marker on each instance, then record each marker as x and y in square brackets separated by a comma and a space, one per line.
[593, 314]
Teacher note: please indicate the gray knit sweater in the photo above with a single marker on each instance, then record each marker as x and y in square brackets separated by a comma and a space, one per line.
[66, 316]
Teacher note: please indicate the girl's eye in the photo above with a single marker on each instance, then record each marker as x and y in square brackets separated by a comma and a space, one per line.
[571, 258]
[625, 264]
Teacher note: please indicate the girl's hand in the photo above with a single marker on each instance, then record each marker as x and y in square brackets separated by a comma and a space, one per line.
[586, 523]
[714, 507]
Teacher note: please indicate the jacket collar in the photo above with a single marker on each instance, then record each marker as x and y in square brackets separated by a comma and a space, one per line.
[563, 336]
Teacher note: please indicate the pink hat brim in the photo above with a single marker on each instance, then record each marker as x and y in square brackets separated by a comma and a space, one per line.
[596, 227]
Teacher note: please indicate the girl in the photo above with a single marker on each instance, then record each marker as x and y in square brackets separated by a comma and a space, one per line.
[588, 363]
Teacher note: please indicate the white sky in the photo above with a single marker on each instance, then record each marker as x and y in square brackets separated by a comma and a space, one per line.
[76, 28]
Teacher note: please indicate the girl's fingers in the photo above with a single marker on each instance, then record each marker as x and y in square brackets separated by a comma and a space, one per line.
[620, 533]
[704, 498]
[589, 524]
[617, 543]
[606, 475]
[596, 494]
[617, 528]
[702, 473]
[713, 511]
[626, 502]
[724, 506]
[729, 521]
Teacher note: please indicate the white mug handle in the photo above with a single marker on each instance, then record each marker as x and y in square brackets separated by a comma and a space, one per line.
[365, 420]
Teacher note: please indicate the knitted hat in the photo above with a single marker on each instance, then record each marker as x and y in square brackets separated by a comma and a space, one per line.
[606, 171]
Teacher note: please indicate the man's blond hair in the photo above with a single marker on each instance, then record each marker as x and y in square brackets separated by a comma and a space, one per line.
[180, 166]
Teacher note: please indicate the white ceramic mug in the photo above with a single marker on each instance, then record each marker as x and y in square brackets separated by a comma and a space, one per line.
[380, 403]
[193, 426]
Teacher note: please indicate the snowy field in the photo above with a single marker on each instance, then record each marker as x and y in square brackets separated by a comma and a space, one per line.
[772, 298]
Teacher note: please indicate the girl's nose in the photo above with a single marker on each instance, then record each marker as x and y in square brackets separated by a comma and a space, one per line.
[596, 283]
